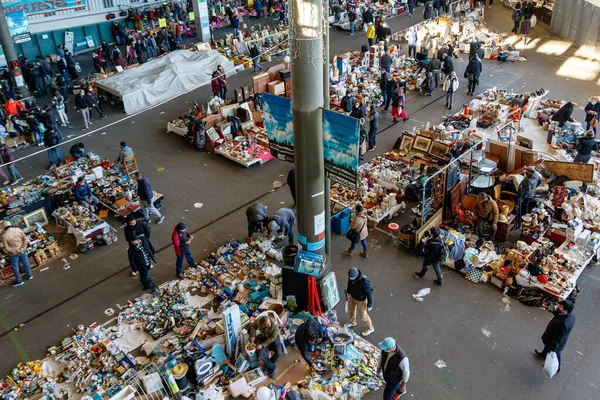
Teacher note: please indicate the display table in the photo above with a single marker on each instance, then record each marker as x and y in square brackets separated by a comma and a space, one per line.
[254, 154]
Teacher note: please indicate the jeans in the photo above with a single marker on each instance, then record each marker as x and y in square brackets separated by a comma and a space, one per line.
[411, 10]
[150, 52]
[385, 97]
[449, 99]
[291, 235]
[98, 109]
[362, 310]
[56, 129]
[388, 69]
[436, 13]
[388, 101]
[148, 208]
[223, 91]
[236, 32]
[515, 28]
[351, 27]
[37, 136]
[363, 242]
[372, 138]
[85, 113]
[436, 267]
[525, 206]
[255, 64]
[412, 49]
[389, 390]
[14, 263]
[89, 204]
[178, 39]
[275, 347]
[580, 158]
[548, 350]
[12, 171]
[179, 262]
[51, 152]
[588, 126]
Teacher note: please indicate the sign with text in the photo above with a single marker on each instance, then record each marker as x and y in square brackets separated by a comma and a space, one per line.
[277, 116]
[33, 7]
[18, 26]
[341, 147]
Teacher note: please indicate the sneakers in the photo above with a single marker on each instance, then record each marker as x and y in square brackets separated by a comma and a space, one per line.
[349, 325]
[6, 182]
[539, 354]
[104, 116]
[161, 219]
[368, 332]
[348, 252]
[438, 282]
[19, 180]
[17, 284]
[151, 266]
[30, 277]
[418, 275]
[133, 273]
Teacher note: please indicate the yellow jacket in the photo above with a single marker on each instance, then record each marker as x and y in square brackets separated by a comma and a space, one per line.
[371, 32]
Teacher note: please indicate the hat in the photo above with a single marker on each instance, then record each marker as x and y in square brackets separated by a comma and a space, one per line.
[387, 343]
[180, 370]
[274, 226]
[353, 273]
[568, 305]
[180, 226]
[6, 224]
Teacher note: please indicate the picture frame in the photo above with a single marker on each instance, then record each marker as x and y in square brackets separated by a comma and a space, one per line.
[37, 216]
[308, 263]
[439, 150]
[422, 144]
[406, 143]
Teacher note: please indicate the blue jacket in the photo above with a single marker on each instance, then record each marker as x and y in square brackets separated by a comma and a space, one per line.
[83, 192]
[360, 289]
[144, 189]
[285, 218]
[319, 330]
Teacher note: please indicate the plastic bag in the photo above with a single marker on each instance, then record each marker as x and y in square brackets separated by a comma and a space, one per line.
[346, 307]
[551, 365]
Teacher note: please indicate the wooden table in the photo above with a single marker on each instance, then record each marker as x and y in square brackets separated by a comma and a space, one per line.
[505, 228]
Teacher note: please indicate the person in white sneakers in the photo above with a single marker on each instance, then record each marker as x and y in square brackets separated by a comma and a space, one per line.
[359, 295]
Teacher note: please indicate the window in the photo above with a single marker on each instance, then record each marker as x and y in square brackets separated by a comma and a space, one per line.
[109, 3]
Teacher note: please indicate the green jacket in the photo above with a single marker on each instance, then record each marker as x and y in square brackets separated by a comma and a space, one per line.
[266, 335]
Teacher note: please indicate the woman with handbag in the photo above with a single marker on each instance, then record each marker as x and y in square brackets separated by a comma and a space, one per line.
[591, 113]
[358, 231]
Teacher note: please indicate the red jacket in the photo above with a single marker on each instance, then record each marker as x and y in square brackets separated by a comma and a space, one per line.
[178, 29]
[179, 240]
[13, 108]
[215, 84]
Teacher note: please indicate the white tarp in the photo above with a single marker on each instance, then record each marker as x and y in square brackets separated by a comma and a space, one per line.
[164, 78]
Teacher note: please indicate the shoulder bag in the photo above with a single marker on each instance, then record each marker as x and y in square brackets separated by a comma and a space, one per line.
[353, 235]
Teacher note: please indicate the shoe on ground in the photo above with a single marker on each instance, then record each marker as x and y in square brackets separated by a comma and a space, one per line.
[104, 116]
[30, 277]
[151, 266]
[133, 273]
[364, 254]
[405, 119]
[539, 354]
[7, 182]
[349, 325]
[273, 373]
[151, 286]
[348, 252]
[438, 282]
[161, 219]
[19, 179]
[84, 129]
[372, 149]
[418, 275]
[180, 276]
[368, 332]
[17, 284]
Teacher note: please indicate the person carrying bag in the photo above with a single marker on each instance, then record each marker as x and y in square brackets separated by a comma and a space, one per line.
[358, 231]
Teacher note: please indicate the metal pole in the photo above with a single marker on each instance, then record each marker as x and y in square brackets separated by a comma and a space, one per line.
[11, 58]
[326, 106]
[306, 44]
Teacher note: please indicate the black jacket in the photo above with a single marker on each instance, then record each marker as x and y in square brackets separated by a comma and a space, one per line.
[383, 81]
[82, 102]
[428, 12]
[140, 228]
[392, 372]
[359, 112]
[434, 65]
[473, 71]
[564, 114]
[347, 103]
[76, 152]
[517, 15]
[136, 255]
[51, 138]
[368, 16]
[591, 107]
[586, 145]
[441, 52]
[448, 66]
[386, 61]
[392, 86]
[312, 325]
[257, 217]
[433, 251]
[254, 53]
[557, 332]
[360, 289]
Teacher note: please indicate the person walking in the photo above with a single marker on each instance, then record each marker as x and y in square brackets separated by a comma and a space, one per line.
[525, 28]
[264, 332]
[370, 33]
[140, 259]
[51, 141]
[411, 7]
[282, 223]
[447, 64]
[395, 368]
[146, 196]
[15, 246]
[359, 295]
[516, 17]
[291, 181]
[138, 230]
[428, 11]
[181, 242]
[95, 103]
[255, 54]
[584, 148]
[8, 157]
[222, 81]
[450, 87]
[473, 72]
[398, 106]
[591, 114]
[390, 88]
[373, 126]
[412, 39]
[360, 231]
[82, 105]
[257, 218]
[434, 255]
[557, 332]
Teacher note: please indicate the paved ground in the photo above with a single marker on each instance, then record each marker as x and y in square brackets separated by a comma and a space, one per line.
[485, 340]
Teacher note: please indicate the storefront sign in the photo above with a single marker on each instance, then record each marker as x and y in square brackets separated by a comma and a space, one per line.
[18, 26]
[69, 40]
[33, 7]
[277, 116]
[341, 148]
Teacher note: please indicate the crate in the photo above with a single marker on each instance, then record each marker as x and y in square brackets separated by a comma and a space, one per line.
[340, 222]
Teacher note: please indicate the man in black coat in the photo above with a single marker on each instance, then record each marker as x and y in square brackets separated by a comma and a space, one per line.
[308, 335]
[291, 181]
[448, 66]
[557, 332]
[433, 255]
[390, 88]
[359, 295]
[368, 16]
[473, 72]
[140, 257]
[411, 7]
[347, 102]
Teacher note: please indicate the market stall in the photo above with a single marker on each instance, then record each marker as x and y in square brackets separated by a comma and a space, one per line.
[193, 335]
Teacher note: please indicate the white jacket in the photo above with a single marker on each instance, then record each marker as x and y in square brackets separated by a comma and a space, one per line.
[411, 37]
[447, 83]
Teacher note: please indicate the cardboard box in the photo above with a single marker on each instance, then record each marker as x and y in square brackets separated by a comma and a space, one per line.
[260, 82]
[277, 88]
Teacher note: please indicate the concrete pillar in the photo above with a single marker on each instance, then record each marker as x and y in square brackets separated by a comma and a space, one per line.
[11, 58]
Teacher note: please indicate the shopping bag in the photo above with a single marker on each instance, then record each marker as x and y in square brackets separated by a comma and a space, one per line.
[550, 365]
[533, 20]
[346, 307]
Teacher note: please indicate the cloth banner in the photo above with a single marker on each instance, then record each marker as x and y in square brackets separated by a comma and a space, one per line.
[18, 26]
[277, 116]
[33, 7]
[341, 138]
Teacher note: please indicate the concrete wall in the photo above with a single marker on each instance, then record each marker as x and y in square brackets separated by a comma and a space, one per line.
[579, 22]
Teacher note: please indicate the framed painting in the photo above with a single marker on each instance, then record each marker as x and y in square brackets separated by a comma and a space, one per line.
[37, 216]
[407, 142]
[422, 144]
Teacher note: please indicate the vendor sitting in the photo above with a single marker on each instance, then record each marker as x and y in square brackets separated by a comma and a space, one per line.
[84, 194]
[77, 150]
[265, 333]
[308, 335]
[486, 210]
[257, 218]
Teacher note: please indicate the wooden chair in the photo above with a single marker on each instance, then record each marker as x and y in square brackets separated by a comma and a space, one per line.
[505, 198]
[468, 203]
[492, 157]
[130, 165]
